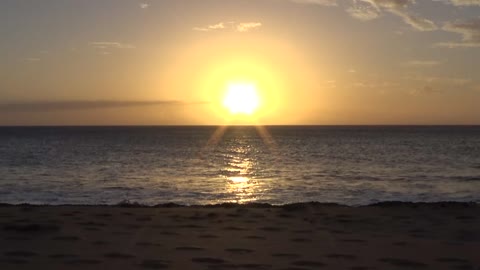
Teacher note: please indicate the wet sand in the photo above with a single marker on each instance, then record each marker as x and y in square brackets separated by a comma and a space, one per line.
[299, 236]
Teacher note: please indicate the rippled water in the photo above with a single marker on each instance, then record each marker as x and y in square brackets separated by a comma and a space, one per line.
[202, 165]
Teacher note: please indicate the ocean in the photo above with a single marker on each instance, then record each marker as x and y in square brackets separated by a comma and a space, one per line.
[350, 165]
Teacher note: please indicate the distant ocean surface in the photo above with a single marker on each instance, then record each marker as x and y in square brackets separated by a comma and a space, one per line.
[278, 164]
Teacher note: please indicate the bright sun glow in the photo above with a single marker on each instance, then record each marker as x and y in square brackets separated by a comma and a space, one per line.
[241, 98]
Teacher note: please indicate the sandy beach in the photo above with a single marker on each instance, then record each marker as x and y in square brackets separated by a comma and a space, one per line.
[298, 236]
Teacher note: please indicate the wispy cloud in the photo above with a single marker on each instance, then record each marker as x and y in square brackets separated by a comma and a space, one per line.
[417, 22]
[218, 26]
[421, 63]
[363, 12]
[110, 45]
[440, 80]
[32, 59]
[144, 5]
[464, 2]
[425, 90]
[245, 27]
[239, 27]
[469, 29]
[371, 9]
[48, 106]
[317, 2]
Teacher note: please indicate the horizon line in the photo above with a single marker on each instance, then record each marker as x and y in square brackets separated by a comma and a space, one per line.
[254, 125]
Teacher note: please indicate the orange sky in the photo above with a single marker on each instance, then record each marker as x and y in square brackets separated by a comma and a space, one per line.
[128, 62]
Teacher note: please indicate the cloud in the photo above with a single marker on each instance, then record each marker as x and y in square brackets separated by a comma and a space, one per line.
[211, 27]
[469, 29]
[371, 9]
[416, 21]
[48, 106]
[363, 13]
[32, 59]
[245, 27]
[440, 80]
[373, 84]
[465, 2]
[425, 90]
[144, 5]
[317, 2]
[422, 63]
[110, 45]
[239, 27]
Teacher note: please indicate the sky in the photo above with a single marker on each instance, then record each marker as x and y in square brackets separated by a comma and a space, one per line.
[169, 62]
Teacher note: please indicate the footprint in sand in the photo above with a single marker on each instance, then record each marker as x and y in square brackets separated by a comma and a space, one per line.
[66, 238]
[285, 255]
[465, 218]
[148, 244]
[189, 248]
[239, 250]
[207, 236]
[154, 264]
[92, 229]
[252, 266]
[91, 224]
[272, 229]
[301, 240]
[452, 260]
[208, 260]
[99, 243]
[403, 263]
[302, 231]
[17, 238]
[132, 226]
[350, 240]
[31, 228]
[14, 261]
[62, 256]
[341, 256]
[456, 263]
[309, 263]
[103, 215]
[20, 253]
[169, 233]
[250, 221]
[122, 233]
[284, 216]
[144, 219]
[256, 237]
[118, 255]
[234, 228]
[83, 262]
[192, 226]
[339, 232]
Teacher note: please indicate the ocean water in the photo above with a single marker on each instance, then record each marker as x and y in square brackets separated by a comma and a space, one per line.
[204, 165]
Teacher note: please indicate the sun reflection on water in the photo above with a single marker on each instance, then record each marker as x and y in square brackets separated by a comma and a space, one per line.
[238, 172]
[241, 156]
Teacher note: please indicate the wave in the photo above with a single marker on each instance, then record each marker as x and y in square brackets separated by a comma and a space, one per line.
[290, 206]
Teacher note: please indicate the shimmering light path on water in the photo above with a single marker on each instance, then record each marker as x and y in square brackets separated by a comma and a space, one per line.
[348, 165]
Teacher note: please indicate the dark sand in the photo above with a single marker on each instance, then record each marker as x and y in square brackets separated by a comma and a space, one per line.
[302, 236]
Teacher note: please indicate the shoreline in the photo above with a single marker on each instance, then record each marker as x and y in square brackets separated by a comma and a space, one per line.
[127, 204]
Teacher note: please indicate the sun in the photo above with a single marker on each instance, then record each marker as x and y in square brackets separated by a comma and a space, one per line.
[241, 98]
